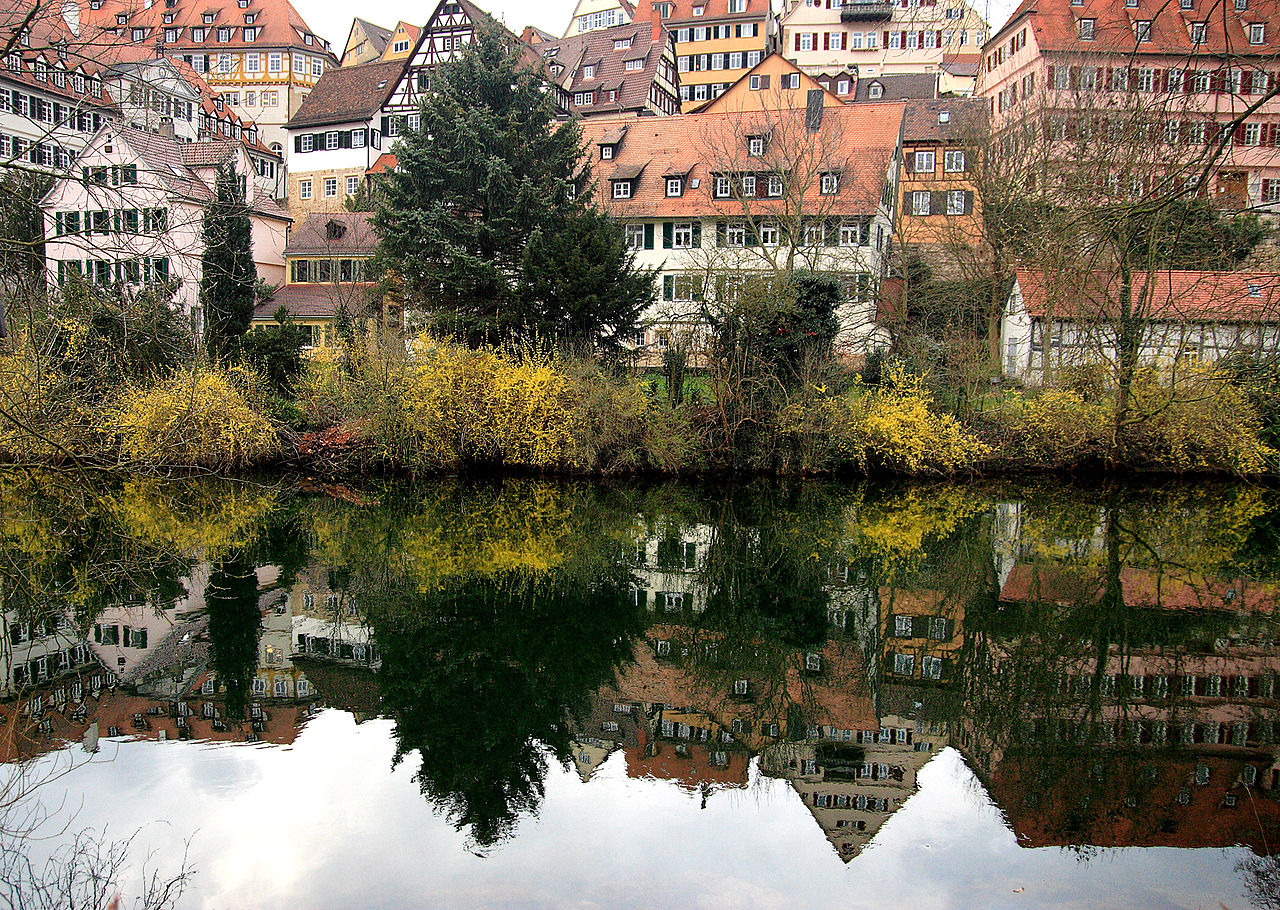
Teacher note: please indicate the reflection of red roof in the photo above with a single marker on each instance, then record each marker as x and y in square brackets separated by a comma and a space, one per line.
[1156, 820]
[1068, 585]
[1173, 295]
[692, 769]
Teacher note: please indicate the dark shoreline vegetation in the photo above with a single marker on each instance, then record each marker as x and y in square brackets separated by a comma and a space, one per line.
[373, 407]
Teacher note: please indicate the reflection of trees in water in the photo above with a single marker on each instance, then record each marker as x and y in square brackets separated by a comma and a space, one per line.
[483, 674]
[235, 623]
[1261, 876]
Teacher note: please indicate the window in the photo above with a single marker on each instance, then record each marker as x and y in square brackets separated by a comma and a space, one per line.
[755, 146]
[622, 189]
[634, 65]
[1259, 82]
[1142, 30]
[589, 71]
[275, 62]
[920, 203]
[830, 184]
[675, 186]
[353, 185]
[682, 236]
[307, 142]
[304, 189]
[770, 235]
[748, 184]
[331, 140]
[250, 34]
[924, 162]
[774, 187]
[851, 235]
[904, 664]
[953, 162]
[1086, 29]
[634, 234]
[1257, 33]
[735, 233]
[1198, 30]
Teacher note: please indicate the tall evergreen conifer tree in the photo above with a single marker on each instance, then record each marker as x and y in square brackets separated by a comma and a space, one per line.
[489, 190]
[229, 279]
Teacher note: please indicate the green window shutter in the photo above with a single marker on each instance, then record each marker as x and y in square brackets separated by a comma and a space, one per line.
[668, 287]
[666, 235]
[722, 233]
[648, 236]
[697, 235]
[968, 202]
[938, 202]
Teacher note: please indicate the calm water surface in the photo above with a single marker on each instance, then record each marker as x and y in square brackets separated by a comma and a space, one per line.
[528, 694]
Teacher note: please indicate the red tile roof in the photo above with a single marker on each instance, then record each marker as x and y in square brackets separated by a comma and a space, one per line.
[713, 10]
[859, 141]
[315, 301]
[1071, 586]
[1170, 296]
[598, 48]
[349, 94]
[351, 234]
[278, 22]
[1055, 27]
[387, 161]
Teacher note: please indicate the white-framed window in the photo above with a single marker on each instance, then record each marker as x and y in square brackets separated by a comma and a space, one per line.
[735, 233]
[304, 189]
[675, 186]
[851, 235]
[955, 202]
[953, 162]
[748, 185]
[682, 235]
[274, 62]
[1142, 31]
[331, 186]
[634, 234]
[357, 136]
[830, 183]
[1198, 30]
[755, 146]
[904, 664]
[673, 601]
[924, 162]
[589, 71]
[774, 186]
[1257, 33]
[723, 187]
[770, 235]
[353, 185]
[920, 203]
[308, 143]
[331, 140]
[622, 189]
[259, 686]
[1085, 27]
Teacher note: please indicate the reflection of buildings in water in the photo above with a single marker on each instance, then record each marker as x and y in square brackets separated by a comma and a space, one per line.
[610, 723]
[689, 747]
[667, 569]
[328, 623]
[922, 632]
[36, 652]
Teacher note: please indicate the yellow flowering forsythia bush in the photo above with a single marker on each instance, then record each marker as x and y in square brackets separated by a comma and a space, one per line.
[196, 418]
[893, 427]
[1060, 427]
[467, 406]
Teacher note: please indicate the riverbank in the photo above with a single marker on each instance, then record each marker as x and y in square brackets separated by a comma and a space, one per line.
[444, 408]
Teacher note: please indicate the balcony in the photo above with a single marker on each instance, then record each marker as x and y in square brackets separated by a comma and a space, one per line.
[866, 11]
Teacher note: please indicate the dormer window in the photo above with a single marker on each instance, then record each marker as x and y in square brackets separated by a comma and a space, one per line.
[621, 44]
[589, 71]
[830, 183]
[197, 34]
[249, 17]
[224, 34]
[755, 146]
[334, 230]
[622, 189]
[138, 34]
[875, 91]
[606, 152]
[250, 34]
[308, 39]
[699, 10]
[207, 18]
[244, 4]
[1255, 290]
[121, 18]
[1085, 29]
[42, 70]
[675, 186]
[1198, 31]
[168, 18]
[1142, 31]
[1257, 33]
[95, 4]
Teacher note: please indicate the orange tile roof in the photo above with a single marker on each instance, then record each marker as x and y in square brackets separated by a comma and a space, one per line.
[278, 22]
[1068, 585]
[1171, 295]
[865, 137]
[1054, 23]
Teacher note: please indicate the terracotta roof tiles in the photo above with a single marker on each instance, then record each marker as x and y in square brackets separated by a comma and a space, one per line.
[1172, 295]
[349, 94]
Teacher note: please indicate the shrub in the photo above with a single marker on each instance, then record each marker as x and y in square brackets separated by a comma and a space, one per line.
[1062, 427]
[197, 418]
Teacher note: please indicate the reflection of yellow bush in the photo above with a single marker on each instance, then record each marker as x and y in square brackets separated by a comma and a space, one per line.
[208, 519]
[893, 427]
[197, 418]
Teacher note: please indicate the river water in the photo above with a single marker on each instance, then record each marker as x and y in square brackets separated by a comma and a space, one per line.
[529, 694]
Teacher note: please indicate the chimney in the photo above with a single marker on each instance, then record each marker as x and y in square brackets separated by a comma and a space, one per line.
[166, 128]
[658, 29]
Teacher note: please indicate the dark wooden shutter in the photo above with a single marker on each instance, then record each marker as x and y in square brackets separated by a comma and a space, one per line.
[764, 81]
[722, 233]
[666, 235]
[697, 235]
[968, 202]
[648, 236]
[668, 287]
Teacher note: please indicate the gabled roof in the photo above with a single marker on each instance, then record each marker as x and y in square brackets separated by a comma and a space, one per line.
[1167, 295]
[898, 87]
[53, 43]
[946, 120]
[348, 94]
[378, 35]
[682, 10]
[166, 158]
[774, 63]
[1055, 26]
[599, 48]
[333, 234]
[278, 22]
[860, 139]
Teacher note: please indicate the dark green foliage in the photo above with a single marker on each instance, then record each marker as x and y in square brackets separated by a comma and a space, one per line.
[228, 285]
[276, 352]
[485, 188]
[132, 335]
[1192, 234]
[22, 227]
[774, 325]
[580, 285]
[235, 623]
[484, 675]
